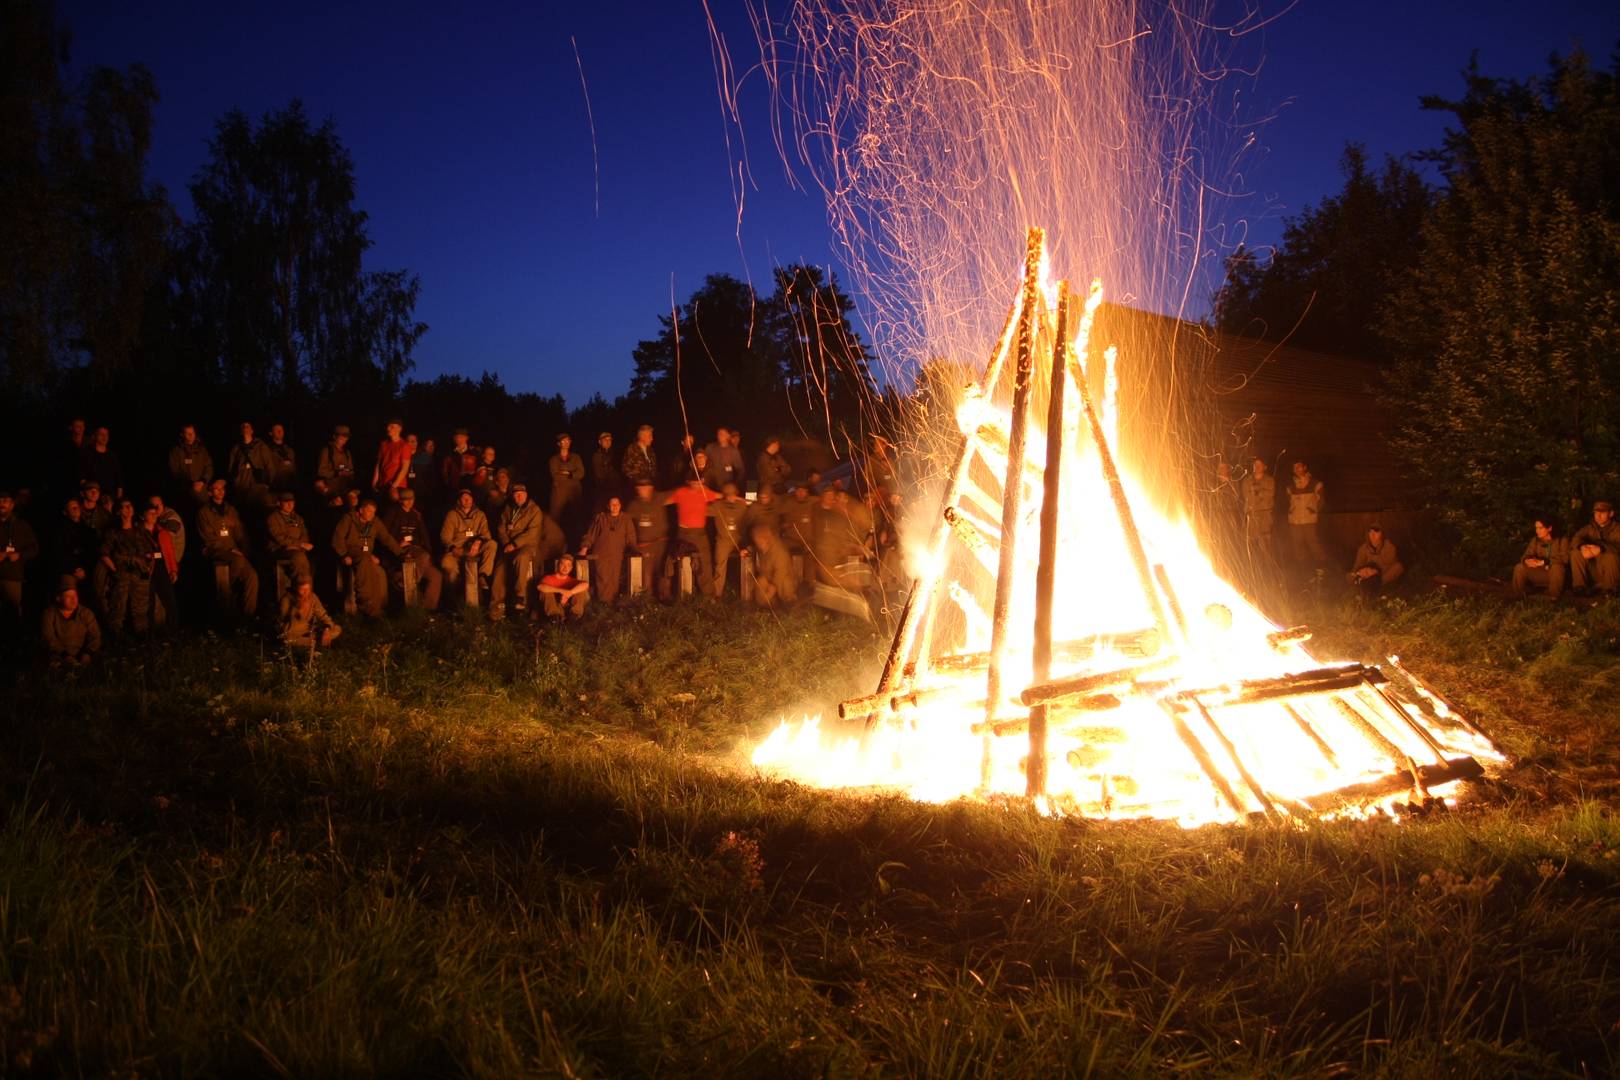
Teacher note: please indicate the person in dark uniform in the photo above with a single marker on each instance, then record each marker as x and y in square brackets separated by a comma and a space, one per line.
[334, 468]
[611, 536]
[224, 540]
[640, 462]
[604, 473]
[290, 543]
[409, 527]
[357, 540]
[567, 483]
[70, 632]
[191, 467]
[649, 514]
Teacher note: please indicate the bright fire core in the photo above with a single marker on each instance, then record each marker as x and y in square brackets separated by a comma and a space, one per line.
[1165, 694]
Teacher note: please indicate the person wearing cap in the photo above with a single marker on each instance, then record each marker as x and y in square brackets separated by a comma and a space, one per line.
[389, 474]
[409, 527]
[250, 467]
[465, 538]
[1377, 563]
[730, 534]
[691, 502]
[304, 621]
[649, 514]
[567, 483]
[612, 534]
[290, 544]
[1594, 551]
[1545, 562]
[521, 534]
[799, 520]
[77, 548]
[334, 468]
[766, 510]
[128, 552]
[224, 541]
[640, 461]
[284, 472]
[561, 593]
[69, 632]
[604, 473]
[771, 469]
[460, 463]
[358, 539]
[18, 547]
[191, 466]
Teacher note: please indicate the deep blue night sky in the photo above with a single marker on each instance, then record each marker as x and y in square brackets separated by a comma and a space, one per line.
[474, 154]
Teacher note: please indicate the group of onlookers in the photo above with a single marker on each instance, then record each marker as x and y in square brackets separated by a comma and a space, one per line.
[456, 529]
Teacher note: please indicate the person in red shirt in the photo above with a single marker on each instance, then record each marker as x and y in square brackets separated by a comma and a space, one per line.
[393, 463]
[691, 504]
[562, 590]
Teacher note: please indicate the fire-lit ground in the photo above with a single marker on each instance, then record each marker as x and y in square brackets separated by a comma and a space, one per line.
[1106, 670]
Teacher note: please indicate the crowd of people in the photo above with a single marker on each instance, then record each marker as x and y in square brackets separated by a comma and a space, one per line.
[268, 540]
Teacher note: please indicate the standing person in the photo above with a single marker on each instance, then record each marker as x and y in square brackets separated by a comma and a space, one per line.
[224, 541]
[1594, 551]
[70, 633]
[487, 467]
[101, 464]
[649, 513]
[409, 527]
[567, 484]
[561, 590]
[640, 461]
[691, 502]
[334, 468]
[1260, 514]
[191, 467]
[1377, 563]
[165, 569]
[290, 542]
[611, 535]
[799, 521]
[18, 548]
[604, 473]
[304, 621]
[771, 469]
[250, 468]
[129, 552]
[729, 534]
[460, 464]
[283, 458]
[498, 493]
[424, 474]
[68, 471]
[766, 510]
[389, 474]
[725, 460]
[1305, 506]
[77, 547]
[1545, 561]
[465, 538]
[521, 533]
[357, 539]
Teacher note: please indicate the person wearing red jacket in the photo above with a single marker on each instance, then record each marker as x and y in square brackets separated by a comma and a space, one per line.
[691, 502]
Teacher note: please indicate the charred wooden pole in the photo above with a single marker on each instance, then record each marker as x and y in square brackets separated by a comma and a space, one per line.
[920, 601]
[1122, 505]
[1046, 567]
[1013, 490]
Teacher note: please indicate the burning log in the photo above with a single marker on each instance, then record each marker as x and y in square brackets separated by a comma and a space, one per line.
[1081, 685]
[1143, 643]
[1046, 566]
[966, 531]
[1232, 754]
[1305, 726]
[1422, 778]
[1315, 681]
[1438, 703]
[1013, 490]
[1205, 762]
[1417, 729]
[1281, 640]
[1170, 598]
[1371, 733]
[858, 707]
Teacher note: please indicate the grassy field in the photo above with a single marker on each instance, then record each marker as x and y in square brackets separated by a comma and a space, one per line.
[451, 850]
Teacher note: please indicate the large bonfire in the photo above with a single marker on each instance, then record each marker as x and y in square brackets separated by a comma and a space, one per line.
[1066, 636]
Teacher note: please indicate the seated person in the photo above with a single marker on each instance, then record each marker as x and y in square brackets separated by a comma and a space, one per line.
[1594, 551]
[1545, 562]
[70, 632]
[304, 620]
[561, 589]
[1376, 563]
[773, 568]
